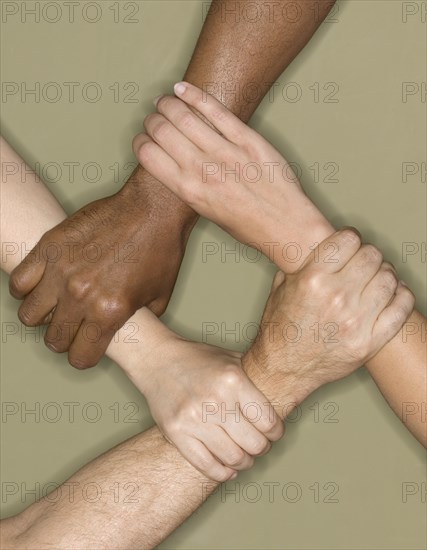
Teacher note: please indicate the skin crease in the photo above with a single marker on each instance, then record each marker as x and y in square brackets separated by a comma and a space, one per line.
[168, 489]
[148, 458]
[177, 149]
[208, 446]
[145, 216]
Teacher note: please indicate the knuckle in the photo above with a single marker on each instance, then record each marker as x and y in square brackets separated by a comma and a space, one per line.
[15, 284]
[249, 462]
[388, 280]
[208, 464]
[231, 377]
[338, 299]
[219, 115]
[312, 282]
[79, 362]
[349, 328]
[372, 254]
[280, 431]
[25, 316]
[258, 447]
[186, 119]
[409, 297]
[399, 317]
[158, 307]
[389, 266]
[55, 345]
[111, 308]
[77, 288]
[161, 130]
[351, 236]
[163, 102]
[173, 427]
[146, 151]
[403, 311]
[277, 431]
[191, 414]
[235, 457]
[150, 119]
[218, 475]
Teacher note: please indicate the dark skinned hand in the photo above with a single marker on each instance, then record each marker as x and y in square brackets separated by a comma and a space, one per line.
[91, 272]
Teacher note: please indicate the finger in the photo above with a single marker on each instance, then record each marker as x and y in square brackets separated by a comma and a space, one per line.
[189, 124]
[27, 275]
[363, 266]
[380, 290]
[333, 254]
[61, 331]
[220, 444]
[394, 316]
[257, 410]
[214, 111]
[89, 345]
[247, 437]
[203, 460]
[175, 144]
[37, 305]
[156, 161]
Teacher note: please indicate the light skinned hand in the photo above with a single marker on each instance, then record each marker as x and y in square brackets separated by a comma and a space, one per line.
[225, 171]
[205, 405]
[326, 320]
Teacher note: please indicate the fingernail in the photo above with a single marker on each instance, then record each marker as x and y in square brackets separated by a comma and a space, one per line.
[156, 100]
[179, 88]
[233, 476]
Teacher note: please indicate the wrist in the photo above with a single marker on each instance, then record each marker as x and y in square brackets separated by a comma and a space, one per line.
[136, 347]
[288, 225]
[285, 392]
[146, 192]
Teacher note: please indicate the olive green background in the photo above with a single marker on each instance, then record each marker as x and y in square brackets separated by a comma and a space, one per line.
[350, 438]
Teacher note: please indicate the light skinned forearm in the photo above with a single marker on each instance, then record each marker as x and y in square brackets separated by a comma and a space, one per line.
[400, 368]
[28, 210]
[229, 56]
[234, 53]
[150, 465]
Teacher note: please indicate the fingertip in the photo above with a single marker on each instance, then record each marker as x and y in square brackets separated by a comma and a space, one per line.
[14, 290]
[137, 141]
[180, 88]
[352, 229]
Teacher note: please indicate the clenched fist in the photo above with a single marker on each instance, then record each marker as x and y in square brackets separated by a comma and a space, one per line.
[326, 320]
[91, 272]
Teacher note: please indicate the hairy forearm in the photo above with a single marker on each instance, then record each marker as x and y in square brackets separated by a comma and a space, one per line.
[399, 369]
[165, 488]
[146, 464]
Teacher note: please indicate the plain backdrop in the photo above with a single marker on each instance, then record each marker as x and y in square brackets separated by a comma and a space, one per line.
[350, 112]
